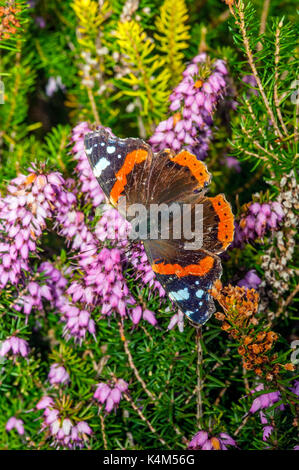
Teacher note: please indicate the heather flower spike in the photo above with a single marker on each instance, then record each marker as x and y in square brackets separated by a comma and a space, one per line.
[192, 102]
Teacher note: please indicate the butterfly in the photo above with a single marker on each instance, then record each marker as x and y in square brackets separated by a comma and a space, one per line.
[129, 168]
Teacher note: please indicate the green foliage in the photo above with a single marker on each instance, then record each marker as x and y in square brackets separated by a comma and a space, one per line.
[172, 35]
[264, 134]
[146, 81]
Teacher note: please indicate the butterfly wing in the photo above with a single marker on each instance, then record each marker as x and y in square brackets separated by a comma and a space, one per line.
[127, 167]
[114, 161]
[186, 275]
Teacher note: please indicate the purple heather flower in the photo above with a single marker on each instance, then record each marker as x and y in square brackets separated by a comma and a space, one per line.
[226, 439]
[14, 423]
[295, 388]
[267, 431]
[232, 162]
[33, 298]
[14, 345]
[58, 375]
[251, 81]
[250, 280]
[56, 282]
[265, 400]
[193, 101]
[40, 21]
[258, 219]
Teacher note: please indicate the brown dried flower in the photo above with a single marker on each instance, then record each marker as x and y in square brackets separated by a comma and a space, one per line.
[240, 306]
[9, 21]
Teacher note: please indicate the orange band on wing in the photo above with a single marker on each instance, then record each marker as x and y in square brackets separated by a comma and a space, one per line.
[197, 168]
[203, 267]
[137, 156]
[226, 223]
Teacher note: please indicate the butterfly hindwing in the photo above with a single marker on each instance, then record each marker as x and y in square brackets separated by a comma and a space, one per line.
[187, 277]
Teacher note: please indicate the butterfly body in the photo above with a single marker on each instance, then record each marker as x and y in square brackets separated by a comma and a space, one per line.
[175, 182]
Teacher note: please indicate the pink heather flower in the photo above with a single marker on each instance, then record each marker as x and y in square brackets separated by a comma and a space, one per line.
[83, 428]
[202, 441]
[110, 396]
[136, 315]
[15, 346]
[102, 392]
[138, 258]
[121, 385]
[63, 431]
[44, 402]
[58, 375]
[148, 315]
[177, 319]
[198, 440]
[207, 446]
[115, 395]
[113, 227]
[17, 424]
[193, 102]
[31, 199]
[77, 322]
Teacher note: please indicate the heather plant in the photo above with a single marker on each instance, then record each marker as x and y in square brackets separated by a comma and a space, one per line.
[93, 353]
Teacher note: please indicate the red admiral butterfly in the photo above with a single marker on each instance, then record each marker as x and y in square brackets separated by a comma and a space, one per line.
[128, 167]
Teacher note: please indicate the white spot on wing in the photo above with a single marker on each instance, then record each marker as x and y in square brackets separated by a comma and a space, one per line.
[100, 166]
[181, 294]
[188, 312]
[111, 149]
[199, 293]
